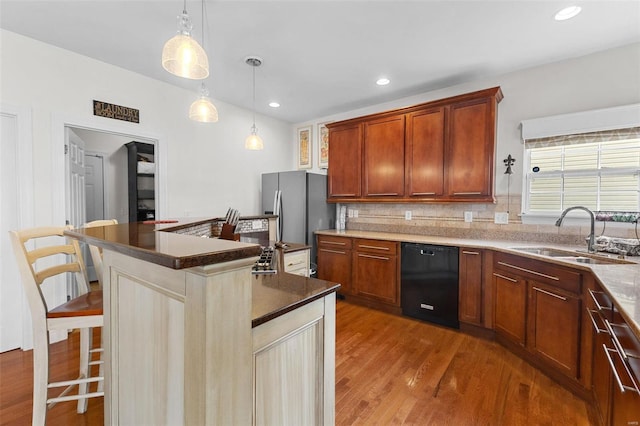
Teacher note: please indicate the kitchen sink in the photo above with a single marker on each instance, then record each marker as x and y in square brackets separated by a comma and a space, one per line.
[595, 259]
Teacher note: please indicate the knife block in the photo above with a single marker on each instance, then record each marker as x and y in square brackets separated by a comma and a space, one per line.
[228, 232]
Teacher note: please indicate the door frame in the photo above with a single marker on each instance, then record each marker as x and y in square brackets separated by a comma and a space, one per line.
[25, 207]
[98, 124]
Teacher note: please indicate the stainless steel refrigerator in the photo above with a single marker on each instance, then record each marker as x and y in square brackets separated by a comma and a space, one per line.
[300, 201]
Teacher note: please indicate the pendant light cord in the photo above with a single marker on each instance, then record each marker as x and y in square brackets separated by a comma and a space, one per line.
[254, 98]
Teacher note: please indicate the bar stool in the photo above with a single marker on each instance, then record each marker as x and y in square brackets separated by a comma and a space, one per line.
[83, 312]
[96, 252]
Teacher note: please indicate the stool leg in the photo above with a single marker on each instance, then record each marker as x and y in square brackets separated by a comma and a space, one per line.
[40, 376]
[85, 339]
[101, 368]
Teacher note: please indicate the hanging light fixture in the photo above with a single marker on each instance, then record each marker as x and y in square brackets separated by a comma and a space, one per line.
[253, 141]
[202, 109]
[182, 55]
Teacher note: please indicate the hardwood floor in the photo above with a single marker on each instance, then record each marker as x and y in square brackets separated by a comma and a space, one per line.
[389, 370]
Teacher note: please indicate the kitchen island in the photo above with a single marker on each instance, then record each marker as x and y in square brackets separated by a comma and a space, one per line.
[192, 337]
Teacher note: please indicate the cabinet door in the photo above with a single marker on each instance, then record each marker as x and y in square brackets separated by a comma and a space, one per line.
[469, 163]
[375, 276]
[345, 166]
[625, 406]
[334, 262]
[424, 142]
[384, 157]
[510, 303]
[470, 286]
[554, 327]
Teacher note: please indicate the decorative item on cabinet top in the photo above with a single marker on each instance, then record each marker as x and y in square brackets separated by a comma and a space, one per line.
[304, 147]
[386, 152]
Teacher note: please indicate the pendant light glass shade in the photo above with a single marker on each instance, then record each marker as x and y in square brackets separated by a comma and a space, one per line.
[182, 55]
[253, 141]
[202, 109]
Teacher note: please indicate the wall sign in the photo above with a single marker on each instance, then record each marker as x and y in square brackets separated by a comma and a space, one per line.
[117, 112]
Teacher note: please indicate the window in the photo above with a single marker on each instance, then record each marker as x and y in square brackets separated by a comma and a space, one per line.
[599, 170]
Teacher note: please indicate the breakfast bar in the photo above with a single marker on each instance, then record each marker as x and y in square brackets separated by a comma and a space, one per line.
[191, 336]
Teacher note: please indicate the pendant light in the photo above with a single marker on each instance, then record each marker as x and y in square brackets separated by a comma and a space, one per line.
[202, 109]
[182, 55]
[253, 141]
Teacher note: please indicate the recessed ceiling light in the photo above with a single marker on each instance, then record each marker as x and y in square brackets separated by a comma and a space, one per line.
[274, 104]
[567, 13]
[382, 81]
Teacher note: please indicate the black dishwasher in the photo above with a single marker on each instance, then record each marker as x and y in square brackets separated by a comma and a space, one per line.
[429, 283]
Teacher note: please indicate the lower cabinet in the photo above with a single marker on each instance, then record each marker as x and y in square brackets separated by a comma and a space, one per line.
[510, 304]
[538, 307]
[376, 270]
[470, 294]
[297, 262]
[334, 261]
[554, 327]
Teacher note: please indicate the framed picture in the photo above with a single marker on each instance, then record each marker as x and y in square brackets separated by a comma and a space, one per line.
[304, 147]
[323, 146]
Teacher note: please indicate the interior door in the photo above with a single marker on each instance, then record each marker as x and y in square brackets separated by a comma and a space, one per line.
[11, 293]
[76, 192]
[94, 194]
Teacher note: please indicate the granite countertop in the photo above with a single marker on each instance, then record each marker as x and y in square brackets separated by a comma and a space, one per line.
[153, 243]
[620, 281]
[277, 294]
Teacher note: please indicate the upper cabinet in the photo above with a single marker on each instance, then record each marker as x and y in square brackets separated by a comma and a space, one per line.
[344, 174]
[438, 151]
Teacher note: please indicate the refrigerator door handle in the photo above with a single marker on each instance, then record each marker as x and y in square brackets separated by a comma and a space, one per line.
[277, 210]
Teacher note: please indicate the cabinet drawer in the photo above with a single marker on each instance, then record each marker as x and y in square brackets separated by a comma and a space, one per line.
[389, 248]
[540, 271]
[296, 261]
[331, 242]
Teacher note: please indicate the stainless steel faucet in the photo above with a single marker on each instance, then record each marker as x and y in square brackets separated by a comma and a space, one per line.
[590, 244]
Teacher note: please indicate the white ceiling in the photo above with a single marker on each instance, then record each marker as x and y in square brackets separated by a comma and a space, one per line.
[323, 57]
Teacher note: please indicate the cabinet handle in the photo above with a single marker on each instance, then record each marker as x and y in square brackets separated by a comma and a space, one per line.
[475, 253]
[373, 257]
[373, 247]
[333, 251]
[597, 329]
[342, 195]
[540, 274]
[548, 293]
[334, 243]
[382, 193]
[513, 280]
[595, 300]
[622, 387]
[614, 338]
[423, 193]
[467, 193]
[295, 263]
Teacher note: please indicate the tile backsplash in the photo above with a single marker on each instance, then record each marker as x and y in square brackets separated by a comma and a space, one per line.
[448, 220]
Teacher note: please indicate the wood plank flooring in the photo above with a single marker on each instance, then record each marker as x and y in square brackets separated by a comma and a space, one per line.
[389, 370]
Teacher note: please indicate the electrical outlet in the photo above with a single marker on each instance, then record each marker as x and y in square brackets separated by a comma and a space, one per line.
[468, 216]
[355, 213]
[350, 213]
[407, 215]
[501, 218]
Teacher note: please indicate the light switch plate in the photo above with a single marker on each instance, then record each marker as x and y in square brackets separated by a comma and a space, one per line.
[468, 216]
[501, 218]
[355, 213]
[407, 215]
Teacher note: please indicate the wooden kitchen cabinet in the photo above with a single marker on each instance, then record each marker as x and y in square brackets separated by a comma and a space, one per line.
[344, 175]
[376, 270]
[470, 286]
[334, 261]
[424, 145]
[470, 155]
[440, 151]
[553, 327]
[510, 305]
[384, 157]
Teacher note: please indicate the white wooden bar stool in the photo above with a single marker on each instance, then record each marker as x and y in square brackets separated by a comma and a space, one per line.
[96, 252]
[84, 312]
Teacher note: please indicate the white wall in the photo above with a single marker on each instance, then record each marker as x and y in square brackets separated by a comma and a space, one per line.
[206, 164]
[600, 80]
